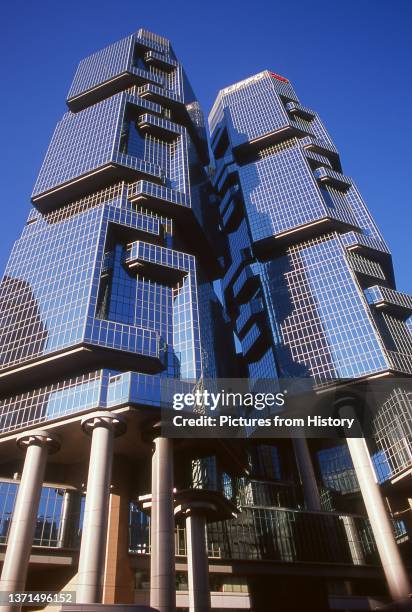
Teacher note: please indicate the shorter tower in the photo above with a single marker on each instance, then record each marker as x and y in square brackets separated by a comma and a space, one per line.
[309, 285]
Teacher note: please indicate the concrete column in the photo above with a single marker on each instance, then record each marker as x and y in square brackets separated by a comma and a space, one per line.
[307, 474]
[162, 527]
[197, 563]
[102, 426]
[23, 524]
[65, 519]
[395, 573]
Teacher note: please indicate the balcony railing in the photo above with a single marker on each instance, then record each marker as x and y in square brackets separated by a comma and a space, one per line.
[326, 175]
[389, 299]
[274, 534]
[164, 62]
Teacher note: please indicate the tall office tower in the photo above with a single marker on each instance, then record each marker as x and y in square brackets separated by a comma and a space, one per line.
[108, 292]
[309, 286]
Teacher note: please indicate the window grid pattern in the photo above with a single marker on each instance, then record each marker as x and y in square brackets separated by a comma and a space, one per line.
[154, 41]
[239, 243]
[393, 430]
[44, 294]
[186, 328]
[124, 337]
[180, 302]
[250, 338]
[311, 142]
[378, 295]
[274, 534]
[158, 192]
[68, 259]
[352, 239]
[363, 216]
[400, 332]
[332, 176]
[298, 109]
[88, 140]
[315, 127]
[337, 204]
[280, 193]
[81, 142]
[159, 255]
[258, 106]
[160, 56]
[253, 86]
[132, 95]
[311, 156]
[337, 469]
[245, 275]
[164, 94]
[50, 530]
[170, 311]
[51, 280]
[277, 148]
[117, 59]
[223, 181]
[248, 311]
[102, 66]
[228, 198]
[323, 324]
[366, 266]
[135, 302]
[51, 402]
[100, 389]
[252, 116]
[164, 124]
[265, 367]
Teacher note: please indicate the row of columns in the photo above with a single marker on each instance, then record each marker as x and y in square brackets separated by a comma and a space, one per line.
[162, 532]
[103, 427]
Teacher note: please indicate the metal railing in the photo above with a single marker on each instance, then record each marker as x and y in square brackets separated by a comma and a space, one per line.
[274, 534]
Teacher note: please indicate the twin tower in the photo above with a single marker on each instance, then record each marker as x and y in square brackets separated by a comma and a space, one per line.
[111, 288]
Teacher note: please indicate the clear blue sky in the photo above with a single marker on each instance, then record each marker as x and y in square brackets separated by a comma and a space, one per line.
[348, 59]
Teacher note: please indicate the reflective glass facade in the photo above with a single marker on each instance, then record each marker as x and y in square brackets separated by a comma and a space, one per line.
[109, 294]
[112, 278]
[308, 278]
[54, 527]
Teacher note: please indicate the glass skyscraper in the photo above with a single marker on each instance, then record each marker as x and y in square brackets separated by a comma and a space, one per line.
[110, 291]
[310, 289]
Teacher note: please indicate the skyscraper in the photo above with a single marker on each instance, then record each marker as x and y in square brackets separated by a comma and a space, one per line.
[309, 285]
[109, 293]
